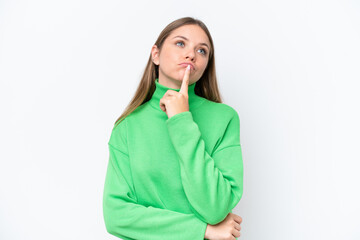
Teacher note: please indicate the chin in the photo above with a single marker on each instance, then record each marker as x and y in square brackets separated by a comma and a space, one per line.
[180, 75]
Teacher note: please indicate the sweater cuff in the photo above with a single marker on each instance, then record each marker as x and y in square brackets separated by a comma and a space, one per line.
[179, 116]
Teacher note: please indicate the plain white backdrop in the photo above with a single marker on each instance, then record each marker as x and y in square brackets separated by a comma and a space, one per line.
[290, 68]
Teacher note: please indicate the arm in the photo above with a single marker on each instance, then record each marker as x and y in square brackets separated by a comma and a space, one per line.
[212, 184]
[127, 219]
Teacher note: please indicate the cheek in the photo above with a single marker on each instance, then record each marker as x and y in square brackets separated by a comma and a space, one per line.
[203, 65]
[203, 68]
[167, 59]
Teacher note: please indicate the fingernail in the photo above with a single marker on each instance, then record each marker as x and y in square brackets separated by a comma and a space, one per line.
[188, 67]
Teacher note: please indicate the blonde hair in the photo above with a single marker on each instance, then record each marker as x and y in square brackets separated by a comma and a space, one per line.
[205, 87]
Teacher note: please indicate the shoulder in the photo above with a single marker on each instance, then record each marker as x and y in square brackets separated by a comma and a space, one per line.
[119, 133]
[121, 126]
[222, 110]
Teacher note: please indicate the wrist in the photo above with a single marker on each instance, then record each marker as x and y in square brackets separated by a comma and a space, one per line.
[207, 231]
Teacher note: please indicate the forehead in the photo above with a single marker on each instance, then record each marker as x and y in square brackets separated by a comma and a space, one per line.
[191, 32]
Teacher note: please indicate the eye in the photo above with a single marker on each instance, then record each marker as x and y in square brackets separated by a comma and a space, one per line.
[180, 42]
[204, 51]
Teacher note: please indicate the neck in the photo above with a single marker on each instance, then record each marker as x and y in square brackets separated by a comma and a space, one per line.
[160, 90]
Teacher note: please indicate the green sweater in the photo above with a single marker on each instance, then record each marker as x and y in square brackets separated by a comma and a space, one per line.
[167, 178]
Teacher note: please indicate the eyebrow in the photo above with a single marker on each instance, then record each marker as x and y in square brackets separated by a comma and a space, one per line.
[188, 39]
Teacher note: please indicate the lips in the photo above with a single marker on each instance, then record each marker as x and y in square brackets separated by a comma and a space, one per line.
[186, 64]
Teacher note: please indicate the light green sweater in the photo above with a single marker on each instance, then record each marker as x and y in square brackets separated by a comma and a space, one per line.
[167, 178]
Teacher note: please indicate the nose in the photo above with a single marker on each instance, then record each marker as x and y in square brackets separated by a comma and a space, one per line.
[190, 56]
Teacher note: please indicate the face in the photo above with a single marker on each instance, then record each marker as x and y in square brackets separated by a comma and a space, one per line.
[186, 44]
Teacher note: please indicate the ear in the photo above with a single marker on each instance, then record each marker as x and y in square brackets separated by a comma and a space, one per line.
[155, 54]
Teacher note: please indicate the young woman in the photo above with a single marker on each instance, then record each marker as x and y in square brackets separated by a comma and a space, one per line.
[175, 167]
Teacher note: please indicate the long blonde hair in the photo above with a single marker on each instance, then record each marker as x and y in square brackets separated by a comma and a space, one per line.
[205, 87]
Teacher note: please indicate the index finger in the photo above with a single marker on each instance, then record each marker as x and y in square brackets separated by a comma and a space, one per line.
[185, 81]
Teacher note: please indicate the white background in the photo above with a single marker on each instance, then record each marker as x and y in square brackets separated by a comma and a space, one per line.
[290, 68]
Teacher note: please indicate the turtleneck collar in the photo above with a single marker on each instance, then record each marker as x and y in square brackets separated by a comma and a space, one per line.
[160, 90]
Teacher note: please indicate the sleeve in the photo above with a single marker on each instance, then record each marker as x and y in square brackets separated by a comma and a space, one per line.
[213, 183]
[125, 218]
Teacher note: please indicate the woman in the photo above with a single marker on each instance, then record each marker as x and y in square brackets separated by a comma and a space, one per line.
[175, 167]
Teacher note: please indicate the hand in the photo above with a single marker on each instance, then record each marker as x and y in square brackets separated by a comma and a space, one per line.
[174, 102]
[228, 229]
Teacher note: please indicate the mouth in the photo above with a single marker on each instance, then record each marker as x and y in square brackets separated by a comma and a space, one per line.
[186, 64]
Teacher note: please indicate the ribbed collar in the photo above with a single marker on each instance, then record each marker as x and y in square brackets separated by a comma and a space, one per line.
[160, 90]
